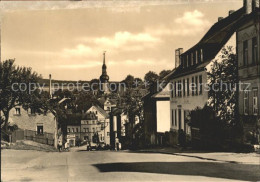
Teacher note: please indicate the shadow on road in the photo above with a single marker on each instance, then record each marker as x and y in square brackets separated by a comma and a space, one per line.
[184, 155]
[208, 169]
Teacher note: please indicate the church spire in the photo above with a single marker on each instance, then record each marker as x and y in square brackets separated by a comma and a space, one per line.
[104, 57]
[104, 77]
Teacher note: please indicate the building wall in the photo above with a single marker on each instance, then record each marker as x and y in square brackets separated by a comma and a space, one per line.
[184, 104]
[249, 73]
[150, 123]
[28, 121]
[88, 129]
[105, 122]
[163, 116]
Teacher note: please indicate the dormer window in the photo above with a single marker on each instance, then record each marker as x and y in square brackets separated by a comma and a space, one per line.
[196, 56]
[191, 59]
[17, 111]
[201, 55]
[32, 111]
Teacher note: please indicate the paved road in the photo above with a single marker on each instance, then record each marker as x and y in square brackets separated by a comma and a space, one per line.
[80, 165]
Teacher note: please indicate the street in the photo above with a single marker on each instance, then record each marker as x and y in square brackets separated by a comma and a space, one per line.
[81, 165]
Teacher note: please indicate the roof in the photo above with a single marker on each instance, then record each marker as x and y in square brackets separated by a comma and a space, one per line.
[89, 116]
[165, 93]
[213, 41]
[102, 111]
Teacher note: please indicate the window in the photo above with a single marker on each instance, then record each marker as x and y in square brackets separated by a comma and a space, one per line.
[85, 130]
[96, 112]
[93, 130]
[254, 50]
[108, 108]
[188, 87]
[39, 129]
[246, 102]
[191, 59]
[32, 111]
[181, 88]
[196, 85]
[93, 122]
[201, 55]
[68, 130]
[172, 88]
[17, 111]
[172, 118]
[192, 86]
[200, 84]
[108, 134]
[175, 89]
[245, 52]
[175, 117]
[72, 130]
[184, 89]
[77, 130]
[255, 103]
[194, 58]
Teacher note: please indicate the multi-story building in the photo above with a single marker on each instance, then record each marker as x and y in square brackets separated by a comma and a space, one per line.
[248, 37]
[90, 127]
[103, 120]
[190, 77]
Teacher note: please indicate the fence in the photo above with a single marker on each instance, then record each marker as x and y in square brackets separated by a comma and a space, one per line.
[17, 135]
[44, 138]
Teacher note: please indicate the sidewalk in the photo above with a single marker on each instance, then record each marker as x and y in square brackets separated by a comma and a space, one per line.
[228, 157]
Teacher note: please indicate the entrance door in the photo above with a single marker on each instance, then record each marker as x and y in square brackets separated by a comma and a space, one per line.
[179, 113]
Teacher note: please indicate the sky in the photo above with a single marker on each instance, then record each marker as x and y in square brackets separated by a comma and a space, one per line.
[67, 39]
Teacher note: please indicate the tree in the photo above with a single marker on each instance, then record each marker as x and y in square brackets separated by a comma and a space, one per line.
[223, 79]
[129, 81]
[138, 82]
[17, 87]
[151, 77]
[163, 73]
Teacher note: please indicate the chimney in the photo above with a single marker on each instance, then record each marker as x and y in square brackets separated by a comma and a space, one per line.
[230, 12]
[255, 4]
[220, 18]
[248, 6]
[178, 53]
[50, 89]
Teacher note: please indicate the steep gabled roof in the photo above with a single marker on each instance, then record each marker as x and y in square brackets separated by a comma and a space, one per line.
[213, 41]
[102, 111]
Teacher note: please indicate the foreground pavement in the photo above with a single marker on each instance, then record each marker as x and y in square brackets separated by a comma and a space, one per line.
[81, 165]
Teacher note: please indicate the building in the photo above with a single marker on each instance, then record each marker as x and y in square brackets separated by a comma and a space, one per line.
[248, 35]
[90, 128]
[40, 128]
[190, 75]
[103, 120]
[156, 113]
[30, 120]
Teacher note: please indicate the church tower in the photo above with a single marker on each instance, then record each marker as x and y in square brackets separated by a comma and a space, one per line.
[104, 78]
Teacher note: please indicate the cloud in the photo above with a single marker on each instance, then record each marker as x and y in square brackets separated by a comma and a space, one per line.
[89, 64]
[124, 38]
[79, 50]
[189, 24]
